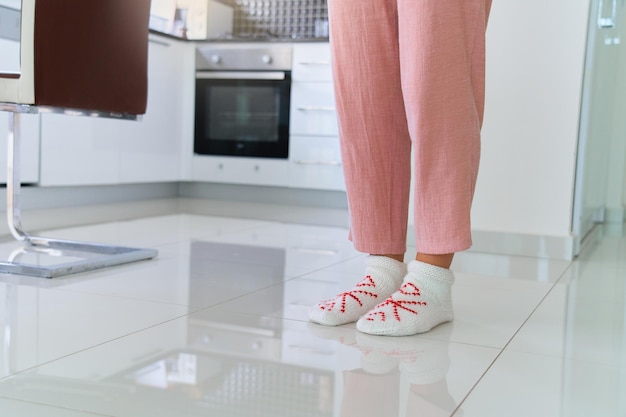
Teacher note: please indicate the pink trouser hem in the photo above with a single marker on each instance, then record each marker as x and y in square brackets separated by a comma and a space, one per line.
[383, 248]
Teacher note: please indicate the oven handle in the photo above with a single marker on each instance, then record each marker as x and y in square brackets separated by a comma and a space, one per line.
[237, 75]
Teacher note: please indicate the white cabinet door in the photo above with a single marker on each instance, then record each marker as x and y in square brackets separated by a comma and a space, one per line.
[29, 166]
[234, 170]
[311, 62]
[316, 163]
[78, 151]
[92, 151]
[313, 109]
[151, 150]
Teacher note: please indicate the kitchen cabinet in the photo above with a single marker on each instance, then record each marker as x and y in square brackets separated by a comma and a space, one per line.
[313, 109]
[9, 51]
[29, 152]
[153, 151]
[238, 170]
[91, 151]
[315, 163]
[315, 160]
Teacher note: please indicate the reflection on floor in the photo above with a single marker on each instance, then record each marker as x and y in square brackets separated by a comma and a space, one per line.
[217, 326]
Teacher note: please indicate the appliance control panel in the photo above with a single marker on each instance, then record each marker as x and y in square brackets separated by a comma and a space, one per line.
[247, 57]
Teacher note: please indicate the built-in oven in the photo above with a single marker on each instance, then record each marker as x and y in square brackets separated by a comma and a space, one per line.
[242, 99]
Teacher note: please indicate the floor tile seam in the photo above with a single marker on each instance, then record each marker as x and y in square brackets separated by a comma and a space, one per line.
[601, 364]
[533, 288]
[55, 407]
[519, 256]
[554, 285]
[199, 308]
[554, 275]
[506, 345]
[460, 343]
[285, 280]
[339, 262]
[95, 346]
[270, 316]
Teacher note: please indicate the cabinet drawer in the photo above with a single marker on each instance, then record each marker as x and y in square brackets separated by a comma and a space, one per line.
[312, 62]
[255, 171]
[313, 110]
[315, 163]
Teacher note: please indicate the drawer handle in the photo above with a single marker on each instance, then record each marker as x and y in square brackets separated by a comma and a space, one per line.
[314, 63]
[313, 162]
[316, 108]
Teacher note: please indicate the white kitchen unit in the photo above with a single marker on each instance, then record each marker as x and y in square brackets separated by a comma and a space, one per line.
[315, 160]
[9, 51]
[534, 130]
[315, 163]
[241, 170]
[91, 151]
[29, 152]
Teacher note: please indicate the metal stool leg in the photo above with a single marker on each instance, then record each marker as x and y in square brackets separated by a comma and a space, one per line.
[107, 255]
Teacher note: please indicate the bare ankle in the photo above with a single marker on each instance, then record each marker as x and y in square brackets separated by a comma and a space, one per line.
[443, 261]
[399, 258]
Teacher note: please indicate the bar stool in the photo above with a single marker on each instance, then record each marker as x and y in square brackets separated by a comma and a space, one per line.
[77, 57]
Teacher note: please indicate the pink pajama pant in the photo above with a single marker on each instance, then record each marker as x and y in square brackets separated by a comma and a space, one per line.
[409, 74]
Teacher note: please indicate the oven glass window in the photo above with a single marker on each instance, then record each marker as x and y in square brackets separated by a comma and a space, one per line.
[243, 113]
[242, 117]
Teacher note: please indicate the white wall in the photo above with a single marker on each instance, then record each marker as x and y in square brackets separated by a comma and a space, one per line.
[536, 53]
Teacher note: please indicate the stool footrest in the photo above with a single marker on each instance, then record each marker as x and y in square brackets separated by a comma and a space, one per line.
[94, 256]
[81, 256]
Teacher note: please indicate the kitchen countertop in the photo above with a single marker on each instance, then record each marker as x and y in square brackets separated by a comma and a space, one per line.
[241, 39]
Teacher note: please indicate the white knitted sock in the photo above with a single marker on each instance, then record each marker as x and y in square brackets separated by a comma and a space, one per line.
[383, 276]
[422, 302]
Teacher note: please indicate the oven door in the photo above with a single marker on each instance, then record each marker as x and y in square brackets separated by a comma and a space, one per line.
[242, 113]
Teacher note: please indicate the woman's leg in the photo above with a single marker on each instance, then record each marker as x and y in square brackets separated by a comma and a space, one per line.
[375, 141]
[376, 149]
[442, 53]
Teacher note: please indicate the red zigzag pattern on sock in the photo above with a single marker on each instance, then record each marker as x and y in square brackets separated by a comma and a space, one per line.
[368, 281]
[406, 289]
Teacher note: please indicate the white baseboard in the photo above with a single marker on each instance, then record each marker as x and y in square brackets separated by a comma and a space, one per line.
[615, 215]
[551, 247]
[62, 207]
[517, 244]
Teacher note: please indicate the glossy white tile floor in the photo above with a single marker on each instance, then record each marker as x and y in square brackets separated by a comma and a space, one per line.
[217, 326]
